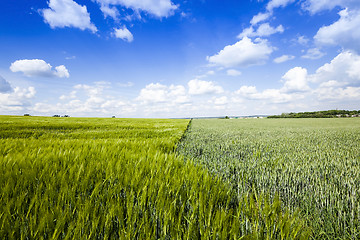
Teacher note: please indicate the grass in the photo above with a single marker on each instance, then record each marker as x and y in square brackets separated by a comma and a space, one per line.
[313, 165]
[79, 178]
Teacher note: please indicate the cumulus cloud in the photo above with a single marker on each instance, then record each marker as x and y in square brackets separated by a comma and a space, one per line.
[344, 32]
[61, 72]
[244, 53]
[277, 3]
[95, 91]
[260, 17]
[157, 8]
[294, 87]
[38, 68]
[109, 11]
[16, 100]
[86, 107]
[4, 85]
[315, 6]
[344, 68]
[220, 100]
[283, 58]
[67, 13]
[159, 93]
[337, 81]
[233, 72]
[313, 53]
[72, 95]
[264, 30]
[199, 87]
[163, 100]
[326, 93]
[124, 34]
[87, 100]
[295, 80]
[269, 95]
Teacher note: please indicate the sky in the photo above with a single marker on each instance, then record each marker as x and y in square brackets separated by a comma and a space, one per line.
[177, 59]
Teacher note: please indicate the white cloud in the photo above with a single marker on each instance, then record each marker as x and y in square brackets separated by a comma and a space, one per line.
[199, 87]
[233, 72]
[294, 88]
[93, 91]
[72, 95]
[4, 85]
[313, 53]
[260, 17]
[315, 6]
[67, 13]
[337, 81]
[220, 100]
[158, 93]
[87, 100]
[154, 93]
[16, 100]
[247, 90]
[339, 94]
[124, 34]
[163, 100]
[269, 95]
[295, 80]
[278, 3]
[247, 32]
[157, 8]
[61, 72]
[243, 53]
[109, 11]
[344, 32]
[284, 58]
[344, 68]
[38, 68]
[302, 40]
[264, 30]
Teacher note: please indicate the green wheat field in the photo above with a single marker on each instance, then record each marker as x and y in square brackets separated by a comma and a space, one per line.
[98, 178]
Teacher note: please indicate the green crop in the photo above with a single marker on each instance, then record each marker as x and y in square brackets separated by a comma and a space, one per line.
[78, 178]
[313, 165]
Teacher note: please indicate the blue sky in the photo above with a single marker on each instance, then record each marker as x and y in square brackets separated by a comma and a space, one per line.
[167, 58]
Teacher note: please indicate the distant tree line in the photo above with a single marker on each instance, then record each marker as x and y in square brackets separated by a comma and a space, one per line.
[56, 115]
[319, 114]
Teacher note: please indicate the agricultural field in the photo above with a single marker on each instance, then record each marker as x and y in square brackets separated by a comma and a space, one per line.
[97, 178]
[312, 165]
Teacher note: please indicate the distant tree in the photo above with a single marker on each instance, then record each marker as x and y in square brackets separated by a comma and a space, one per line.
[319, 114]
[56, 115]
[27, 115]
